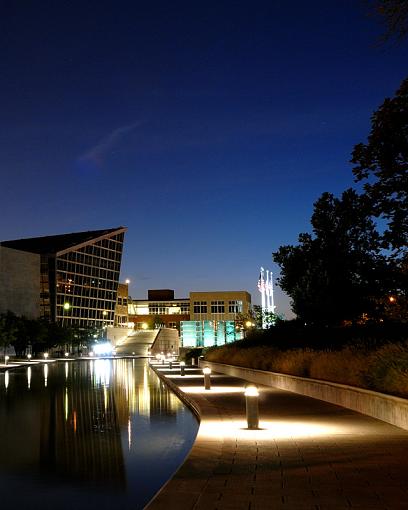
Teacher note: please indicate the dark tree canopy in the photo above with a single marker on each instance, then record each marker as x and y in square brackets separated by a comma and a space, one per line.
[383, 164]
[335, 274]
[395, 15]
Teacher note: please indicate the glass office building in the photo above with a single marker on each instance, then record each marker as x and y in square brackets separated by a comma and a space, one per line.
[208, 333]
[79, 275]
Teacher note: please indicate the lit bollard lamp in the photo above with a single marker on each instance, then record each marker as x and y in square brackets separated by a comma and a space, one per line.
[182, 368]
[6, 358]
[252, 409]
[207, 378]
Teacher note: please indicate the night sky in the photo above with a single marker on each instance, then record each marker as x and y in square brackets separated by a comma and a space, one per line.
[207, 128]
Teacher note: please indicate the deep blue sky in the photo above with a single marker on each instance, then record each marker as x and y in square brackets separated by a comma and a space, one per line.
[207, 128]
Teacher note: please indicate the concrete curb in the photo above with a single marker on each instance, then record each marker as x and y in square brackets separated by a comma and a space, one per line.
[193, 406]
[387, 408]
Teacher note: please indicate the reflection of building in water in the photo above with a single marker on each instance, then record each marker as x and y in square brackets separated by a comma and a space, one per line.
[81, 432]
[79, 414]
[135, 395]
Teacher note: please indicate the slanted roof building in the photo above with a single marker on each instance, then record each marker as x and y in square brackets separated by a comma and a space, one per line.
[79, 275]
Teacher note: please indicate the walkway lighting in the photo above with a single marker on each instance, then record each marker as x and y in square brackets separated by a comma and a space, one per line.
[207, 378]
[252, 409]
[6, 358]
[66, 354]
[45, 355]
[29, 357]
[182, 368]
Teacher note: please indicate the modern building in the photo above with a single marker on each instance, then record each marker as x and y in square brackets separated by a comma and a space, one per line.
[203, 319]
[121, 308]
[78, 276]
[19, 282]
[214, 318]
[160, 308]
[221, 306]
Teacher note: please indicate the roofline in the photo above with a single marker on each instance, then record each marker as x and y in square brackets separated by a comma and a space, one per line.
[120, 230]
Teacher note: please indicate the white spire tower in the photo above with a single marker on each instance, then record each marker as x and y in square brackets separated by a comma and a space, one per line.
[265, 287]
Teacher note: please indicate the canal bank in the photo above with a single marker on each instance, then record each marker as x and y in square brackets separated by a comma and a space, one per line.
[88, 433]
[308, 454]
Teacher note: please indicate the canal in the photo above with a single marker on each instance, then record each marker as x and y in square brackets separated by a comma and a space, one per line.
[89, 434]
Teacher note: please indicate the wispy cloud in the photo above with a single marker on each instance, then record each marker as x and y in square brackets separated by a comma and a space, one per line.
[98, 153]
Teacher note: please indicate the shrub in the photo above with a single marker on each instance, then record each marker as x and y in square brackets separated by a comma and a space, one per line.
[383, 369]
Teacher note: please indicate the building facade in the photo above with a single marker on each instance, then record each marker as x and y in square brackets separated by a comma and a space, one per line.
[159, 309]
[19, 283]
[204, 319]
[220, 306]
[121, 308]
[79, 275]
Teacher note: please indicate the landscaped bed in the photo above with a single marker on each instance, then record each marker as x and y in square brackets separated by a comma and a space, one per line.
[383, 369]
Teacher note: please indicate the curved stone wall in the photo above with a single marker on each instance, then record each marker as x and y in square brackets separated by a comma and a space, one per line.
[387, 408]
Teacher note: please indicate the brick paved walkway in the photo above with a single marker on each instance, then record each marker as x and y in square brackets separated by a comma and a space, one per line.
[308, 454]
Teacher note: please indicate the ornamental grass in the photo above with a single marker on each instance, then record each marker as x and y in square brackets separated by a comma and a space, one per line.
[383, 369]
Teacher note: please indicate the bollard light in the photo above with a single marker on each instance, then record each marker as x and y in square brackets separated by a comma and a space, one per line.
[29, 357]
[182, 368]
[6, 358]
[66, 354]
[252, 409]
[45, 355]
[207, 378]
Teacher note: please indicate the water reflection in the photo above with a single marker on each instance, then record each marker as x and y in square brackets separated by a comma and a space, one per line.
[107, 429]
[29, 377]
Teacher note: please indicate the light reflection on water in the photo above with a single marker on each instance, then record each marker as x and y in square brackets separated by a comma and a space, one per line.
[87, 434]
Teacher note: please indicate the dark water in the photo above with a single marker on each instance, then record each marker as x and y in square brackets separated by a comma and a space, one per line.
[91, 434]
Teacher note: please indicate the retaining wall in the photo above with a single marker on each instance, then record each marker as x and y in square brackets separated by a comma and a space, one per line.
[387, 408]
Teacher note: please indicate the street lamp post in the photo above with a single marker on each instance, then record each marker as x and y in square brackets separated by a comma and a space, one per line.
[207, 378]
[252, 409]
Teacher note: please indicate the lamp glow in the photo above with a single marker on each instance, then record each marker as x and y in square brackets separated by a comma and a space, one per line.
[251, 391]
[45, 355]
[207, 378]
[252, 409]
